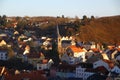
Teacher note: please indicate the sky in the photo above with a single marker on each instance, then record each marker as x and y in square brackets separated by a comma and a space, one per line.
[68, 8]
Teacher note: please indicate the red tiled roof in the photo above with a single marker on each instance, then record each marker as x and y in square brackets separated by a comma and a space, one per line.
[118, 49]
[95, 50]
[76, 49]
[44, 61]
[111, 47]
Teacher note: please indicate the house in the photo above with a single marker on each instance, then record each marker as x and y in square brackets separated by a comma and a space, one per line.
[101, 63]
[94, 58]
[3, 51]
[3, 55]
[66, 43]
[65, 58]
[76, 52]
[66, 74]
[98, 76]
[87, 45]
[105, 56]
[66, 70]
[81, 73]
[2, 35]
[118, 58]
[92, 45]
[26, 75]
[2, 43]
[47, 44]
[112, 53]
[73, 71]
[89, 54]
[27, 50]
[67, 38]
[15, 24]
[100, 70]
[44, 64]
[116, 69]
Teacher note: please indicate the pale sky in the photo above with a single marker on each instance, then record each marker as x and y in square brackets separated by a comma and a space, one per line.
[68, 8]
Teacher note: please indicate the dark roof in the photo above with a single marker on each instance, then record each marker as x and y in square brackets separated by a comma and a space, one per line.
[100, 69]
[66, 67]
[97, 77]
[3, 50]
[33, 55]
[74, 79]
[85, 65]
[66, 41]
[69, 67]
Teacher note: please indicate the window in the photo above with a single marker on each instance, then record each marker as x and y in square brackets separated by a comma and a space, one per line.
[5, 57]
[1, 54]
[39, 67]
[5, 54]
[1, 57]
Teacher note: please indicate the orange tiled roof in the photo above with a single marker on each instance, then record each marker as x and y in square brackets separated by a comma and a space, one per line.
[76, 49]
[111, 47]
[95, 50]
[118, 49]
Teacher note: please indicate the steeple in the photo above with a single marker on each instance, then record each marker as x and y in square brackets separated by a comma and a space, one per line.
[59, 40]
[58, 33]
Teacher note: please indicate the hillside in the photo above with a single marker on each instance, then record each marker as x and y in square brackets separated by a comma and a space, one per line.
[104, 29]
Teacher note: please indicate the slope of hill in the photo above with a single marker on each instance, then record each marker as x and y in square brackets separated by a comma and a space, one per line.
[104, 29]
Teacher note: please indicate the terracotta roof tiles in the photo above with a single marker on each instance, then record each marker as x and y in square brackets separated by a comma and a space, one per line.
[76, 49]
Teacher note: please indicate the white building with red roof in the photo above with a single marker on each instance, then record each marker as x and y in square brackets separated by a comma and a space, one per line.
[76, 52]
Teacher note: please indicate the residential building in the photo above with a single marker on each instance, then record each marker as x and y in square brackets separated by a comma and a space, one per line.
[101, 63]
[116, 69]
[3, 55]
[76, 52]
[81, 73]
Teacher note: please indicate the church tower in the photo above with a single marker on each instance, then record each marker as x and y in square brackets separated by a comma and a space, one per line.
[59, 40]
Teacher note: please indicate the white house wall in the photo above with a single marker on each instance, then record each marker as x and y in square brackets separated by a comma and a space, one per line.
[80, 54]
[80, 73]
[42, 66]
